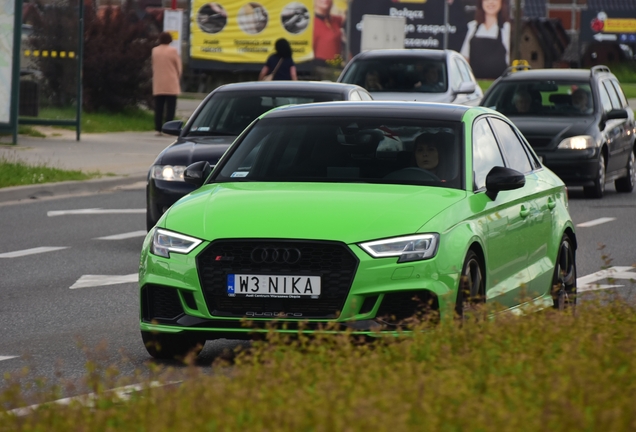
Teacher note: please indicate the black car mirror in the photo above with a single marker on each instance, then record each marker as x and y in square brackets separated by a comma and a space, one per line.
[465, 88]
[502, 179]
[197, 173]
[172, 127]
[612, 115]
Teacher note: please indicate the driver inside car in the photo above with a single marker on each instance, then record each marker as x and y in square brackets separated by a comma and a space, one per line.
[426, 153]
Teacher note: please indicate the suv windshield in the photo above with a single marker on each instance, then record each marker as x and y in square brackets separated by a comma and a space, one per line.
[541, 98]
[348, 150]
[228, 113]
[407, 74]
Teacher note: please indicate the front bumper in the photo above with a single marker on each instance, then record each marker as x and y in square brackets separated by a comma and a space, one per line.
[381, 295]
[574, 167]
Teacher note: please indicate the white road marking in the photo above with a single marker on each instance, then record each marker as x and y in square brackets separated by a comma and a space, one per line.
[92, 212]
[7, 357]
[87, 400]
[88, 281]
[124, 235]
[595, 222]
[590, 282]
[32, 251]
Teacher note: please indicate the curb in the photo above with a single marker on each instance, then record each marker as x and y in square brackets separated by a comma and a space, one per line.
[70, 188]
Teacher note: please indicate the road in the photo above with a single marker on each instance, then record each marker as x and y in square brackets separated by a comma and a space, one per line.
[69, 269]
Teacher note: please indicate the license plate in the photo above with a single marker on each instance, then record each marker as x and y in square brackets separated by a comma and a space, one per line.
[273, 286]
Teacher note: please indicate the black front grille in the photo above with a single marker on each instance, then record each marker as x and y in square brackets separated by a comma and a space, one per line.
[333, 262]
[160, 303]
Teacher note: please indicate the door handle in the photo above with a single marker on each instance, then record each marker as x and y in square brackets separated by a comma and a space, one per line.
[551, 203]
[524, 212]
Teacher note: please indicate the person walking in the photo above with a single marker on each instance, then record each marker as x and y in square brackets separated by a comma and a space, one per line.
[166, 73]
[280, 65]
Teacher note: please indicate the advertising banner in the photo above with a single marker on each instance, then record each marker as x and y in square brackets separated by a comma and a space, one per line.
[608, 26]
[245, 32]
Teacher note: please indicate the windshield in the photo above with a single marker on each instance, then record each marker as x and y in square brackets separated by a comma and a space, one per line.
[399, 75]
[347, 150]
[228, 113]
[541, 98]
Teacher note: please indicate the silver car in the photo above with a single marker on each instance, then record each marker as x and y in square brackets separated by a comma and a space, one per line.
[428, 75]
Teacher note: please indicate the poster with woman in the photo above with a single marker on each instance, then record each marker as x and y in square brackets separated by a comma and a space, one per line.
[486, 45]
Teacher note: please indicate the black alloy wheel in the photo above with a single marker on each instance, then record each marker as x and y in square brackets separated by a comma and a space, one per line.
[165, 346]
[598, 189]
[626, 184]
[471, 290]
[564, 278]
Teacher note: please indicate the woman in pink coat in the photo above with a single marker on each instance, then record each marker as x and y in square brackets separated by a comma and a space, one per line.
[166, 73]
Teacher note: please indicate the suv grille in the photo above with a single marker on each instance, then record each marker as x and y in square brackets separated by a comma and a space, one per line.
[333, 262]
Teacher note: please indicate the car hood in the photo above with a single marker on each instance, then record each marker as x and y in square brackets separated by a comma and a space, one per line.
[552, 127]
[415, 96]
[322, 211]
[193, 149]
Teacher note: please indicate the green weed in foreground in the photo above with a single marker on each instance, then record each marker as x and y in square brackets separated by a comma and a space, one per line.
[14, 172]
[548, 371]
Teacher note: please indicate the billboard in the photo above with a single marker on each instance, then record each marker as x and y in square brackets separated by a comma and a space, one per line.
[243, 32]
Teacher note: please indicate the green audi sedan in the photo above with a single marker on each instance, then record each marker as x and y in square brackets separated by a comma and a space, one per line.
[357, 216]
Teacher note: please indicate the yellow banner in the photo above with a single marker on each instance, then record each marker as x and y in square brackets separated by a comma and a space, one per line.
[619, 25]
[236, 31]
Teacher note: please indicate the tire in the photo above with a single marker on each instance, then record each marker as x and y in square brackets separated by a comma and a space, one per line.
[598, 189]
[471, 290]
[166, 346]
[564, 279]
[626, 184]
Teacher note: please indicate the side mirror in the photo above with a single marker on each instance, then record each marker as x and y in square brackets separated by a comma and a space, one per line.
[465, 88]
[502, 179]
[612, 115]
[197, 173]
[172, 127]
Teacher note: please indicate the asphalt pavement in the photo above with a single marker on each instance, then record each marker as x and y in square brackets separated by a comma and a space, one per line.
[123, 158]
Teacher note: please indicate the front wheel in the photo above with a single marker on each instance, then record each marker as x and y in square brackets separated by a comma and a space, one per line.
[564, 278]
[598, 189]
[166, 346]
[626, 184]
[471, 290]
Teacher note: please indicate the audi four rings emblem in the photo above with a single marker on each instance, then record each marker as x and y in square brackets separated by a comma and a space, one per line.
[272, 255]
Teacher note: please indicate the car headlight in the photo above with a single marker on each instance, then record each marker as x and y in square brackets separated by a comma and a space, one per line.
[409, 248]
[164, 242]
[580, 142]
[167, 172]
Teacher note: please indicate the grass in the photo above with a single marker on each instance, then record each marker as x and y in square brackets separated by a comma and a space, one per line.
[547, 371]
[14, 172]
[102, 122]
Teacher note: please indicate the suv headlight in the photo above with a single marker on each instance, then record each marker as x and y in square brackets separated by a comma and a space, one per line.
[167, 172]
[164, 242]
[409, 248]
[581, 142]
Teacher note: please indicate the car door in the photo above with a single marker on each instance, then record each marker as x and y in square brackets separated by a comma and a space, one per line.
[621, 130]
[540, 201]
[614, 131]
[503, 222]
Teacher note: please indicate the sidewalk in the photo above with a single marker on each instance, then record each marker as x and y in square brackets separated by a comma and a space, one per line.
[123, 158]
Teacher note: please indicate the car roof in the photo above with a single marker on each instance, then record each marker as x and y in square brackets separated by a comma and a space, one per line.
[553, 74]
[435, 54]
[389, 109]
[313, 86]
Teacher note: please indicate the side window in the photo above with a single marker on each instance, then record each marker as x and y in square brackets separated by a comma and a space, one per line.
[354, 96]
[606, 102]
[464, 71]
[616, 103]
[620, 93]
[486, 154]
[365, 96]
[455, 75]
[512, 147]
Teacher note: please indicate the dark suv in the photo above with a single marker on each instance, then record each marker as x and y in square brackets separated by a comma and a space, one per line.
[577, 120]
